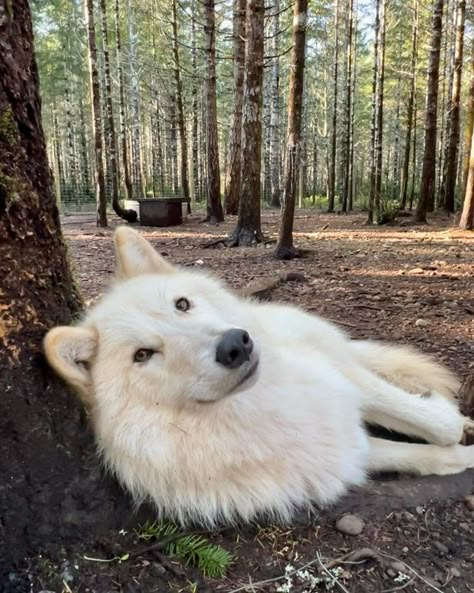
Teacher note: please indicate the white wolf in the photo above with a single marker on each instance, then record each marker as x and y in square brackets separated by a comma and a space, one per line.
[221, 409]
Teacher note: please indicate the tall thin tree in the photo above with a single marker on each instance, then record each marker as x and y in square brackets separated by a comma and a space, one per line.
[410, 105]
[275, 157]
[96, 105]
[121, 84]
[469, 126]
[347, 181]
[128, 215]
[467, 216]
[248, 229]
[380, 114]
[136, 163]
[428, 181]
[215, 212]
[234, 172]
[285, 248]
[183, 142]
[455, 110]
[373, 126]
[332, 160]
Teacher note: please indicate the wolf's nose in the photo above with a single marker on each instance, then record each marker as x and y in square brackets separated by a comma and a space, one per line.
[234, 348]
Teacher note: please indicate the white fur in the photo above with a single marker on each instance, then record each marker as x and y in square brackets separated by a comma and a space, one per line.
[174, 431]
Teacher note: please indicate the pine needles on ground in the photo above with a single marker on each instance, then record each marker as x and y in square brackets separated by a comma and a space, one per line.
[194, 549]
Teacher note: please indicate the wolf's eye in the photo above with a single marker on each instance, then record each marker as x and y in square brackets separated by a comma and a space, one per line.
[143, 355]
[182, 304]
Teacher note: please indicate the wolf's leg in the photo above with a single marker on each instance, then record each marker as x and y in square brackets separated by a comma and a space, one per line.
[433, 418]
[419, 459]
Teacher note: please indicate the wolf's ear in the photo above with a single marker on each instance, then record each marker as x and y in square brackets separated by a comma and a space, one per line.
[69, 351]
[135, 256]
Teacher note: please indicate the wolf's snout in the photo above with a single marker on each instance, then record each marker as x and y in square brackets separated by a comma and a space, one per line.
[234, 348]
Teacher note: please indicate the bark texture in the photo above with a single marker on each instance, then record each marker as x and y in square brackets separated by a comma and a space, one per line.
[51, 488]
[215, 212]
[285, 249]
[455, 110]
[96, 116]
[232, 191]
[428, 175]
[128, 215]
[410, 105]
[248, 230]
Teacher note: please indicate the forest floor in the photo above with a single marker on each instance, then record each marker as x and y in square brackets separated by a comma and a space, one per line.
[407, 284]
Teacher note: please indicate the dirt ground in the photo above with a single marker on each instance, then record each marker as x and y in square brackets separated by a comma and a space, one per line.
[401, 283]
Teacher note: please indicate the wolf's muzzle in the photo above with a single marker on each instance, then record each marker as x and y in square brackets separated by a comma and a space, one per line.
[234, 348]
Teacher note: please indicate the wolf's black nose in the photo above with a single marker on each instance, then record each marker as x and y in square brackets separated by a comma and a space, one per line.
[234, 348]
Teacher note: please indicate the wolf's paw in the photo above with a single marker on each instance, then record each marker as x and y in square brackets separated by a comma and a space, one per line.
[446, 421]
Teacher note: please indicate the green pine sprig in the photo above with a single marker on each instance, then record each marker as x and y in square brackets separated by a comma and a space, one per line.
[213, 560]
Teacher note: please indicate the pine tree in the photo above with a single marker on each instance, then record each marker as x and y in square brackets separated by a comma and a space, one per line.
[233, 187]
[285, 249]
[248, 229]
[214, 206]
[96, 115]
[455, 108]
[426, 198]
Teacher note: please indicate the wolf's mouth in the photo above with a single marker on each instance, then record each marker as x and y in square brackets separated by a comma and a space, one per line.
[241, 384]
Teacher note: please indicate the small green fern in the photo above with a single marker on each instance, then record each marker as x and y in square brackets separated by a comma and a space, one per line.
[194, 549]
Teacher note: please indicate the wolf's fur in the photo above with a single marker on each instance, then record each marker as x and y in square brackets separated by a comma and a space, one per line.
[175, 430]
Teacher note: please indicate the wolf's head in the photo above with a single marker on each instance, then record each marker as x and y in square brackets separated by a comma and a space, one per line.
[162, 334]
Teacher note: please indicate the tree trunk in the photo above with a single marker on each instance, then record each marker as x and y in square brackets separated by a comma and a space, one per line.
[428, 175]
[332, 162]
[96, 116]
[415, 155]
[194, 126]
[128, 215]
[444, 109]
[453, 142]
[285, 249]
[266, 131]
[85, 168]
[379, 109]
[351, 187]
[183, 143]
[123, 129]
[72, 166]
[52, 491]
[469, 124]
[396, 142]
[411, 100]
[137, 181]
[467, 216]
[57, 153]
[346, 180]
[232, 191]
[215, 212]
[275, 157]
[248, 228]
[373, 128]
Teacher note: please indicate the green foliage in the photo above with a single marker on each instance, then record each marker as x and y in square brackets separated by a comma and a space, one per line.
[194, 549]
[389, 210]
[8, 130]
